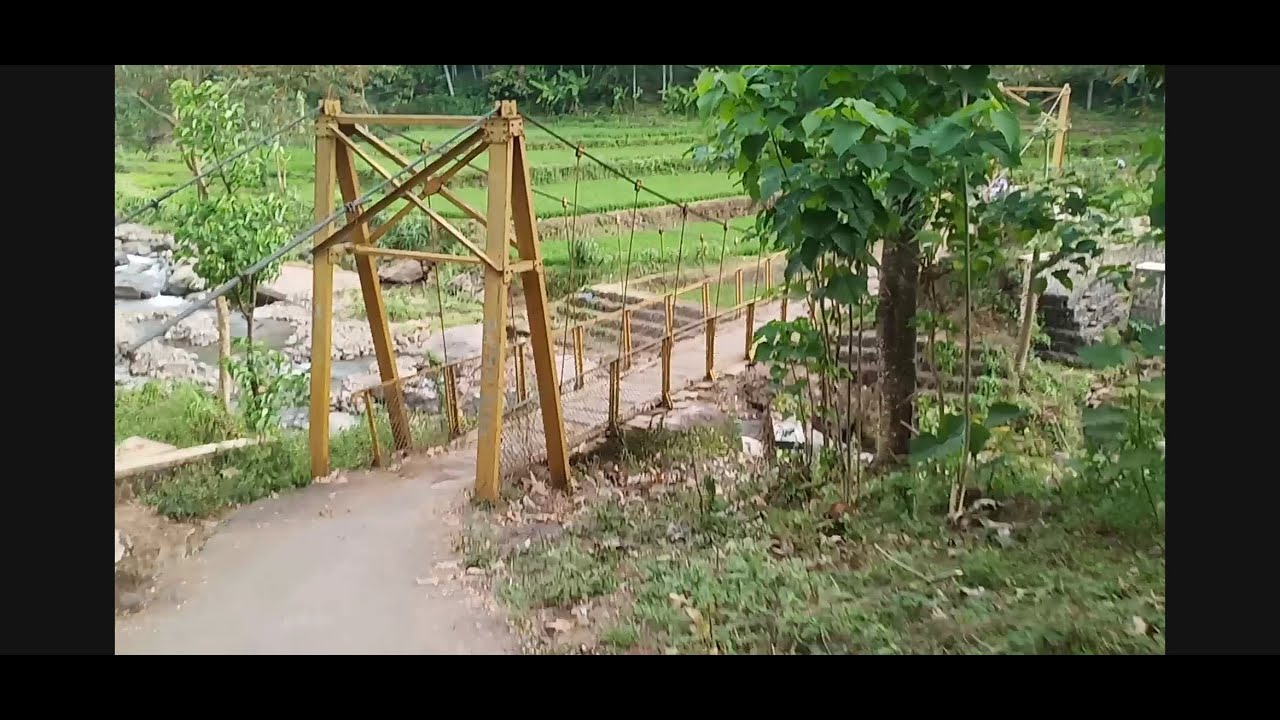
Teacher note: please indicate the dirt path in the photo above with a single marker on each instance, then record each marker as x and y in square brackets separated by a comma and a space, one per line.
[356, 567]
[329, 569]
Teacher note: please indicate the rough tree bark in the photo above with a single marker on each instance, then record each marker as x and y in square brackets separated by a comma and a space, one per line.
[896, 335]
[224, 350]
[1027, 323]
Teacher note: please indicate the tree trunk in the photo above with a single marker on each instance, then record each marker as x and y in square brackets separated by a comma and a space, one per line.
[224, 351]
[448, 79]
[896, 335]
[635, 96]
[1026, 325]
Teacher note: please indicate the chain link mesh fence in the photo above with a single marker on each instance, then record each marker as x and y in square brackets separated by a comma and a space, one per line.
[441, 404]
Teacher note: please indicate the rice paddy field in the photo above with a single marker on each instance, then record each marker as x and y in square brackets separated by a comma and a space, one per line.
[655, 149]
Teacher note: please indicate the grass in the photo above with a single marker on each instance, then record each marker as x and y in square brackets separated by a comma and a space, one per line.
[420, 303]
[727, 557]
[185, 415]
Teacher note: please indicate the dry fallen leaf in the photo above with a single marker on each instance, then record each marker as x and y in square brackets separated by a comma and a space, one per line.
[429, 581]
[447, 565]
[677, 600]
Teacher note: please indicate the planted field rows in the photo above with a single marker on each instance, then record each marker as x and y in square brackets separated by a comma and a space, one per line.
[657, 155]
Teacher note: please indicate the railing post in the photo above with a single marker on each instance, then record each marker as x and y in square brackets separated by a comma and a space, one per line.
[451, 408]
[737, 290]
[706, 298]
[785, 298]
[577, 357]
[626, 339]
[522, 387]
[615, 395]
[667, 343]
[373, 430]
[710, 334]
[751, 328]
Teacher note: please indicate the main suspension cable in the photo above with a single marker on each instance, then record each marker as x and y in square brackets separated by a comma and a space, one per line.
[153, 204]
[307, 234]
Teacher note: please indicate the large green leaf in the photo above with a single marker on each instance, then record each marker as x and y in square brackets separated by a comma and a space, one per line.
[752, 145]
[846, 288]
[872, 154]
[978, 437]
[811, 123]
[735, 83]
[1007, 123]
[941, 138]
[1003, 413]
[886, 122]
[922, 174]
[845, 135]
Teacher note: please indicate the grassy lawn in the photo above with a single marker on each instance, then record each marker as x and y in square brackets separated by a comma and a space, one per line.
[686, 547]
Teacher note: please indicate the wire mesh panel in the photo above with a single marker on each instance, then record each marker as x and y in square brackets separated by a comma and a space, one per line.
[422, 424]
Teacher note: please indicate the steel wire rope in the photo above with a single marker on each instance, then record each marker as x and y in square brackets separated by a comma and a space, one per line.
[573, 222]
[720, 278]
[305, 235]
[623, 326]
[154, 204]
[684, 216]
[616, 171]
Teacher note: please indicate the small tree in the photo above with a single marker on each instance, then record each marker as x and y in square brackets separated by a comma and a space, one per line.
[238, 220]
[856, 154]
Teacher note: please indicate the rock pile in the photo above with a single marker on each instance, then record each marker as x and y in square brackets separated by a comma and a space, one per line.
[145, 265]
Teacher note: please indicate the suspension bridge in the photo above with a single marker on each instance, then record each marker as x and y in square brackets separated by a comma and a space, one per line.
[357, 568]
[583, 365]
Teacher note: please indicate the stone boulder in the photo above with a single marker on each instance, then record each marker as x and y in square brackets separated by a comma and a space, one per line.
[141, 278]
[184, 281]
[122, 258]
[200, 329]
[141, 235]
[136, 247]
[126, 330]
[156, 360]
[466, 285]
[401, 272]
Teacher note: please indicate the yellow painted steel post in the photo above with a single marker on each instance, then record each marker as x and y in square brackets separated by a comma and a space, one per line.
[626, 339]
[710, 334]
[375, 309]
[534, 283]
[493, 350]
[1064, 123]
[373, 429]
[522, 385]
[737, 289]
[452, 410]
[322, 294]
[706, 298]
[668, 343]
[768, 274]
[578, 360]
[615, 395]
[751, 327]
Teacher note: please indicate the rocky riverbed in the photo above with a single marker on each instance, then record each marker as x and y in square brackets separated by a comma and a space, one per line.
[151, 288]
